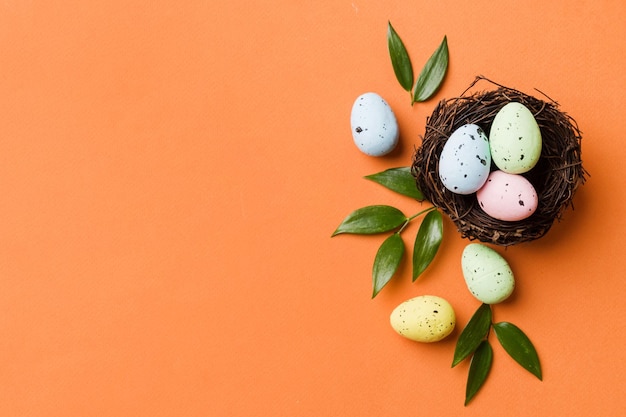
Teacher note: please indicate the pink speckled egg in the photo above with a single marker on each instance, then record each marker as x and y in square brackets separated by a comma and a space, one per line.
[507, 197]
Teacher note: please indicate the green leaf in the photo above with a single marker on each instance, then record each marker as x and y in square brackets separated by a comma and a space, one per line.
[399, 59]
[427, 242]
[399, 180]
[387, 261]
[432, 74]
[518, 346]
[479, 369]
[473, 334]
[370, 220]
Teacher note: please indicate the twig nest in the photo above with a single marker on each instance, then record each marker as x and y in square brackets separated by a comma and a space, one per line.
[555, 177]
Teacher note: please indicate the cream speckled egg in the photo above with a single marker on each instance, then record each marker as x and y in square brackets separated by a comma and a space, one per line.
[515, 139]
[374, 126]
[426, 318]
[487, 274]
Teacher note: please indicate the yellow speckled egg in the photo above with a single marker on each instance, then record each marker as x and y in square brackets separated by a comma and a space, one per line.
[426, 318]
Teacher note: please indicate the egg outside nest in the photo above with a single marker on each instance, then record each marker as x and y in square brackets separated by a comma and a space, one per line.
[556, 176]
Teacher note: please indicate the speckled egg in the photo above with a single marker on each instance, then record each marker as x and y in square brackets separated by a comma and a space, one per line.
[426, 318]
[507, 197]
[465, 160]
[487, 274]
[374, 126]
[515, 139]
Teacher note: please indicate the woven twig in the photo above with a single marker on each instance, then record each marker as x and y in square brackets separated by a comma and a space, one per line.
[556, 176]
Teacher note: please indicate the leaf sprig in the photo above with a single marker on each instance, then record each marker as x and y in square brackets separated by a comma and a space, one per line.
[432, 74]
[473, 341]
[383, 218]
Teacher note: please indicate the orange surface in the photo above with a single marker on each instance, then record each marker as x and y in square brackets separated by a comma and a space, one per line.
[171, 172]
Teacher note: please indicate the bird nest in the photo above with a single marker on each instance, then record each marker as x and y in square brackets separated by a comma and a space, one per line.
[556, 176]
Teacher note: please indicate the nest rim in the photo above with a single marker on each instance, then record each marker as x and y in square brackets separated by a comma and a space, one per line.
[556, 176]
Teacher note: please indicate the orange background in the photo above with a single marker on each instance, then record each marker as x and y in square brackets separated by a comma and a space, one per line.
[171, 173]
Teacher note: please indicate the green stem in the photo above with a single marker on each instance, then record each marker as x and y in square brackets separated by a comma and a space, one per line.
[422, 212]
[406, 223]
[490, 324]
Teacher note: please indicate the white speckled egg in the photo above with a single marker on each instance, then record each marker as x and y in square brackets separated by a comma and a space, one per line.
[515, 139]
[374, 126]
[465, 160]
[426, 318]
[507, 197]
[487, 274]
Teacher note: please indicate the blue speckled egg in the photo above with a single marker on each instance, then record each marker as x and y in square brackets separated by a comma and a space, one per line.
[374, 126]
[465, 160]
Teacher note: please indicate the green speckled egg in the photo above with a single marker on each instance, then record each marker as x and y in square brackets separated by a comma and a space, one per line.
[515, 139]
[487, 274]
[426, 318]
